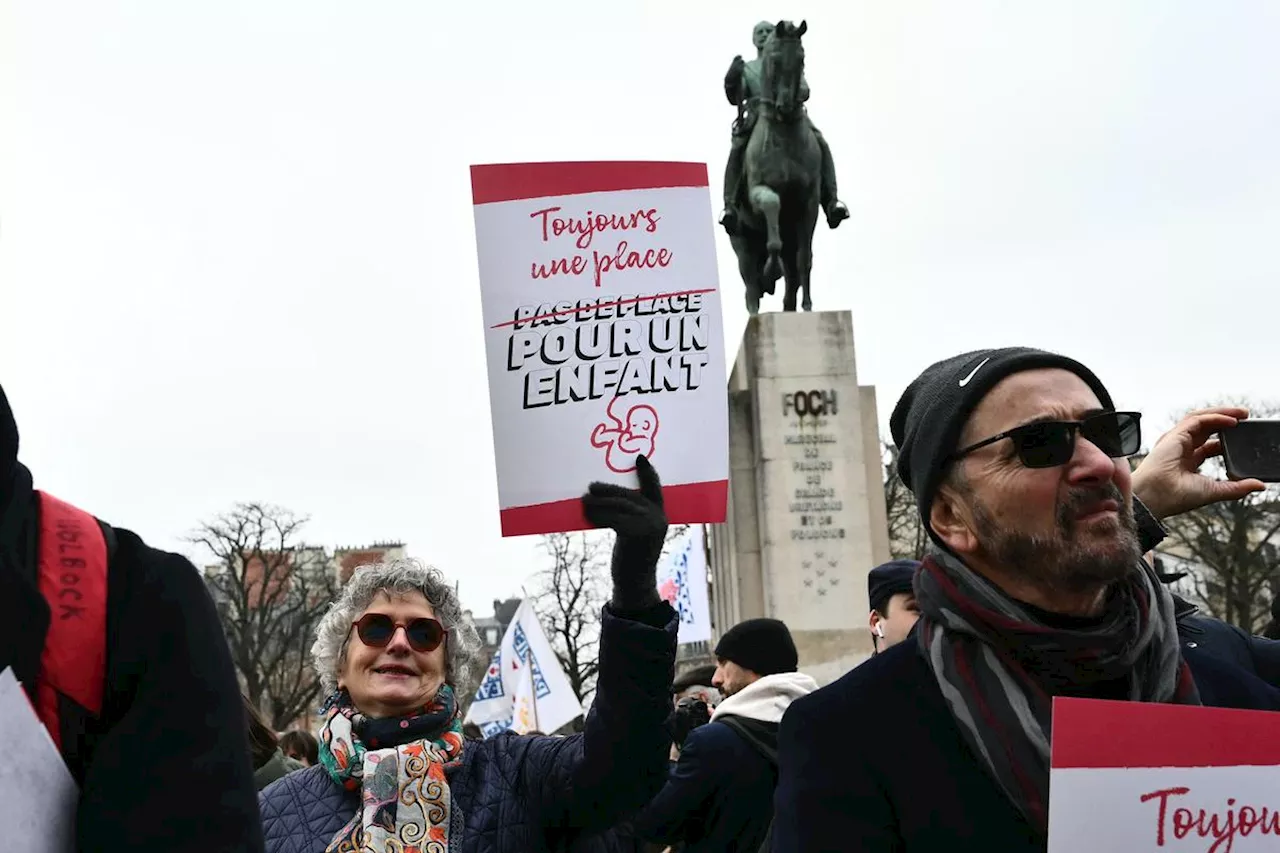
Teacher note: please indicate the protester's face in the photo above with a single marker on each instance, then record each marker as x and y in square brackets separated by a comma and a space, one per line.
[1069, 528]
[896, 621]
[730, 678]
[396, 679]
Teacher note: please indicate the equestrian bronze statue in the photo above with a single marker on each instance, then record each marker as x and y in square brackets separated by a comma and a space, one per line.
[779, 171]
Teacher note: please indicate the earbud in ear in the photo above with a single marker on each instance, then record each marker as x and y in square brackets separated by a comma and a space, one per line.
[879, 630]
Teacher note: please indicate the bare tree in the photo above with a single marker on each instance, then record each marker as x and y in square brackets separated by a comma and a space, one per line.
[908, 538]
[1231, 550]
[271, 591]
[568, 595]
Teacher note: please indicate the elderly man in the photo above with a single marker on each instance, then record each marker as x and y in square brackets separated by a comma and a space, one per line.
[1017, 460]
[893, 603]
[695, 698]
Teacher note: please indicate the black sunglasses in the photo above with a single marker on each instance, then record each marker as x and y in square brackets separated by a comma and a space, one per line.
[377, 629]
[1047, 444]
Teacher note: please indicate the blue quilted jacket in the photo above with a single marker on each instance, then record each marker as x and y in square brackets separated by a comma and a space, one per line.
[531, 793]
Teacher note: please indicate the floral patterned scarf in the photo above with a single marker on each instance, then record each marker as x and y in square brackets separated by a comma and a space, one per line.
[398, 766]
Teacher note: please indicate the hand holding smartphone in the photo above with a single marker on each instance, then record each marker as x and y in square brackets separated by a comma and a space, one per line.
[1251, 451]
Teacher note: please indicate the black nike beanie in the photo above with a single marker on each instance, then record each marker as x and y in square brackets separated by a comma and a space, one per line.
[927, 422]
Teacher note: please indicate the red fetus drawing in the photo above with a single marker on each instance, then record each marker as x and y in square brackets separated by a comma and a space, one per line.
[623, 442]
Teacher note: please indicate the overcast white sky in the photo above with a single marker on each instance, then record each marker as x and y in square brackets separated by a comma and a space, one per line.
[236, 243]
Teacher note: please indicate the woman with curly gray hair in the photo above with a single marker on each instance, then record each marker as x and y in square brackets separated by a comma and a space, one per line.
[395, 773]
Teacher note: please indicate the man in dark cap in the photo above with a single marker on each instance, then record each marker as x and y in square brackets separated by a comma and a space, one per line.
[1018, 461]
[695, 698]
[162, 760]
[697, 683]
[893, 602]
[720, 794]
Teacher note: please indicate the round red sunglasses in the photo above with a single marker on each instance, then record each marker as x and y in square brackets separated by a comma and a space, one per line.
[377, 629]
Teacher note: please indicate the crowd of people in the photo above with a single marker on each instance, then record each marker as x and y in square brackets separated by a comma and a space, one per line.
[1038, 582]
[277, 755]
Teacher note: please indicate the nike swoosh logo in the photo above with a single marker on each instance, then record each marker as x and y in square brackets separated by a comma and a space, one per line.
[965, 381]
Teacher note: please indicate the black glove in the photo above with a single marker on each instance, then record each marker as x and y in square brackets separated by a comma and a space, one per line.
[688, 715]
[638, 519]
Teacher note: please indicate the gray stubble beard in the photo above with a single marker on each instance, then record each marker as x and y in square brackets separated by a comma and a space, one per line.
[1064, 562]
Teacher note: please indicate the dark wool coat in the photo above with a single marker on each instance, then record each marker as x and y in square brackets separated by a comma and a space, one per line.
[166, 765]
[875, 762]
[719, 797]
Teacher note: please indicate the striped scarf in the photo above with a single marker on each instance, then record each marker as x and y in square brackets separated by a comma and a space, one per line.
[999, 666]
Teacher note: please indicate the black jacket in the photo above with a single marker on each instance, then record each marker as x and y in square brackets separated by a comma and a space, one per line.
[1228, 642]
[875, 762]
[718, 798]
[166, 766]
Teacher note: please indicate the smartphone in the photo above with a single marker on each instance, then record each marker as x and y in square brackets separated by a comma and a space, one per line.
[1251, 451]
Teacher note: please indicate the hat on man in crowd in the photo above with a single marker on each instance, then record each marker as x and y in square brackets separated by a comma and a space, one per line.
[927, 422]
[763, 646]
[699, 676]
[887, 580]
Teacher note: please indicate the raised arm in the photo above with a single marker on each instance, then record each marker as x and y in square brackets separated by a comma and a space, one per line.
[593, 780]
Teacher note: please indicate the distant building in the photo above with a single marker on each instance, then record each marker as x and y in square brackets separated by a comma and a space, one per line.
[489, 629]
[341, 563]
[493, 628]
[693, 655]
[349, 559]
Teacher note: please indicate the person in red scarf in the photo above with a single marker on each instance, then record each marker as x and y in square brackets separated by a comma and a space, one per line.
[162, 761]
[1035, 588]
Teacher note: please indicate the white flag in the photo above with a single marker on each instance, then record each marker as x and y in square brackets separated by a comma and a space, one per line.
[524, 647]
[682, 582]
[525, 719]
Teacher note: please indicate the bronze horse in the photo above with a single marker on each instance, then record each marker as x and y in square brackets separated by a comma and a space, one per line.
[779, 208]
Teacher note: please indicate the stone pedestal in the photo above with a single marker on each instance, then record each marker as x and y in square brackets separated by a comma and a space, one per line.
[806, 503]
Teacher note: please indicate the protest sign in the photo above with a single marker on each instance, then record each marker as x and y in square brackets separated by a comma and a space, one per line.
[682, 583]
[38, 797]
[1132, 776]
[603, 336]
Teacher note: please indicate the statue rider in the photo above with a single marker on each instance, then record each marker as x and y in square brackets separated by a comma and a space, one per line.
[742, 86]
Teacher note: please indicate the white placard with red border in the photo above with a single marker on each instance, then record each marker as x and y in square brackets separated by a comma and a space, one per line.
[603, 335]
[1135, 776]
